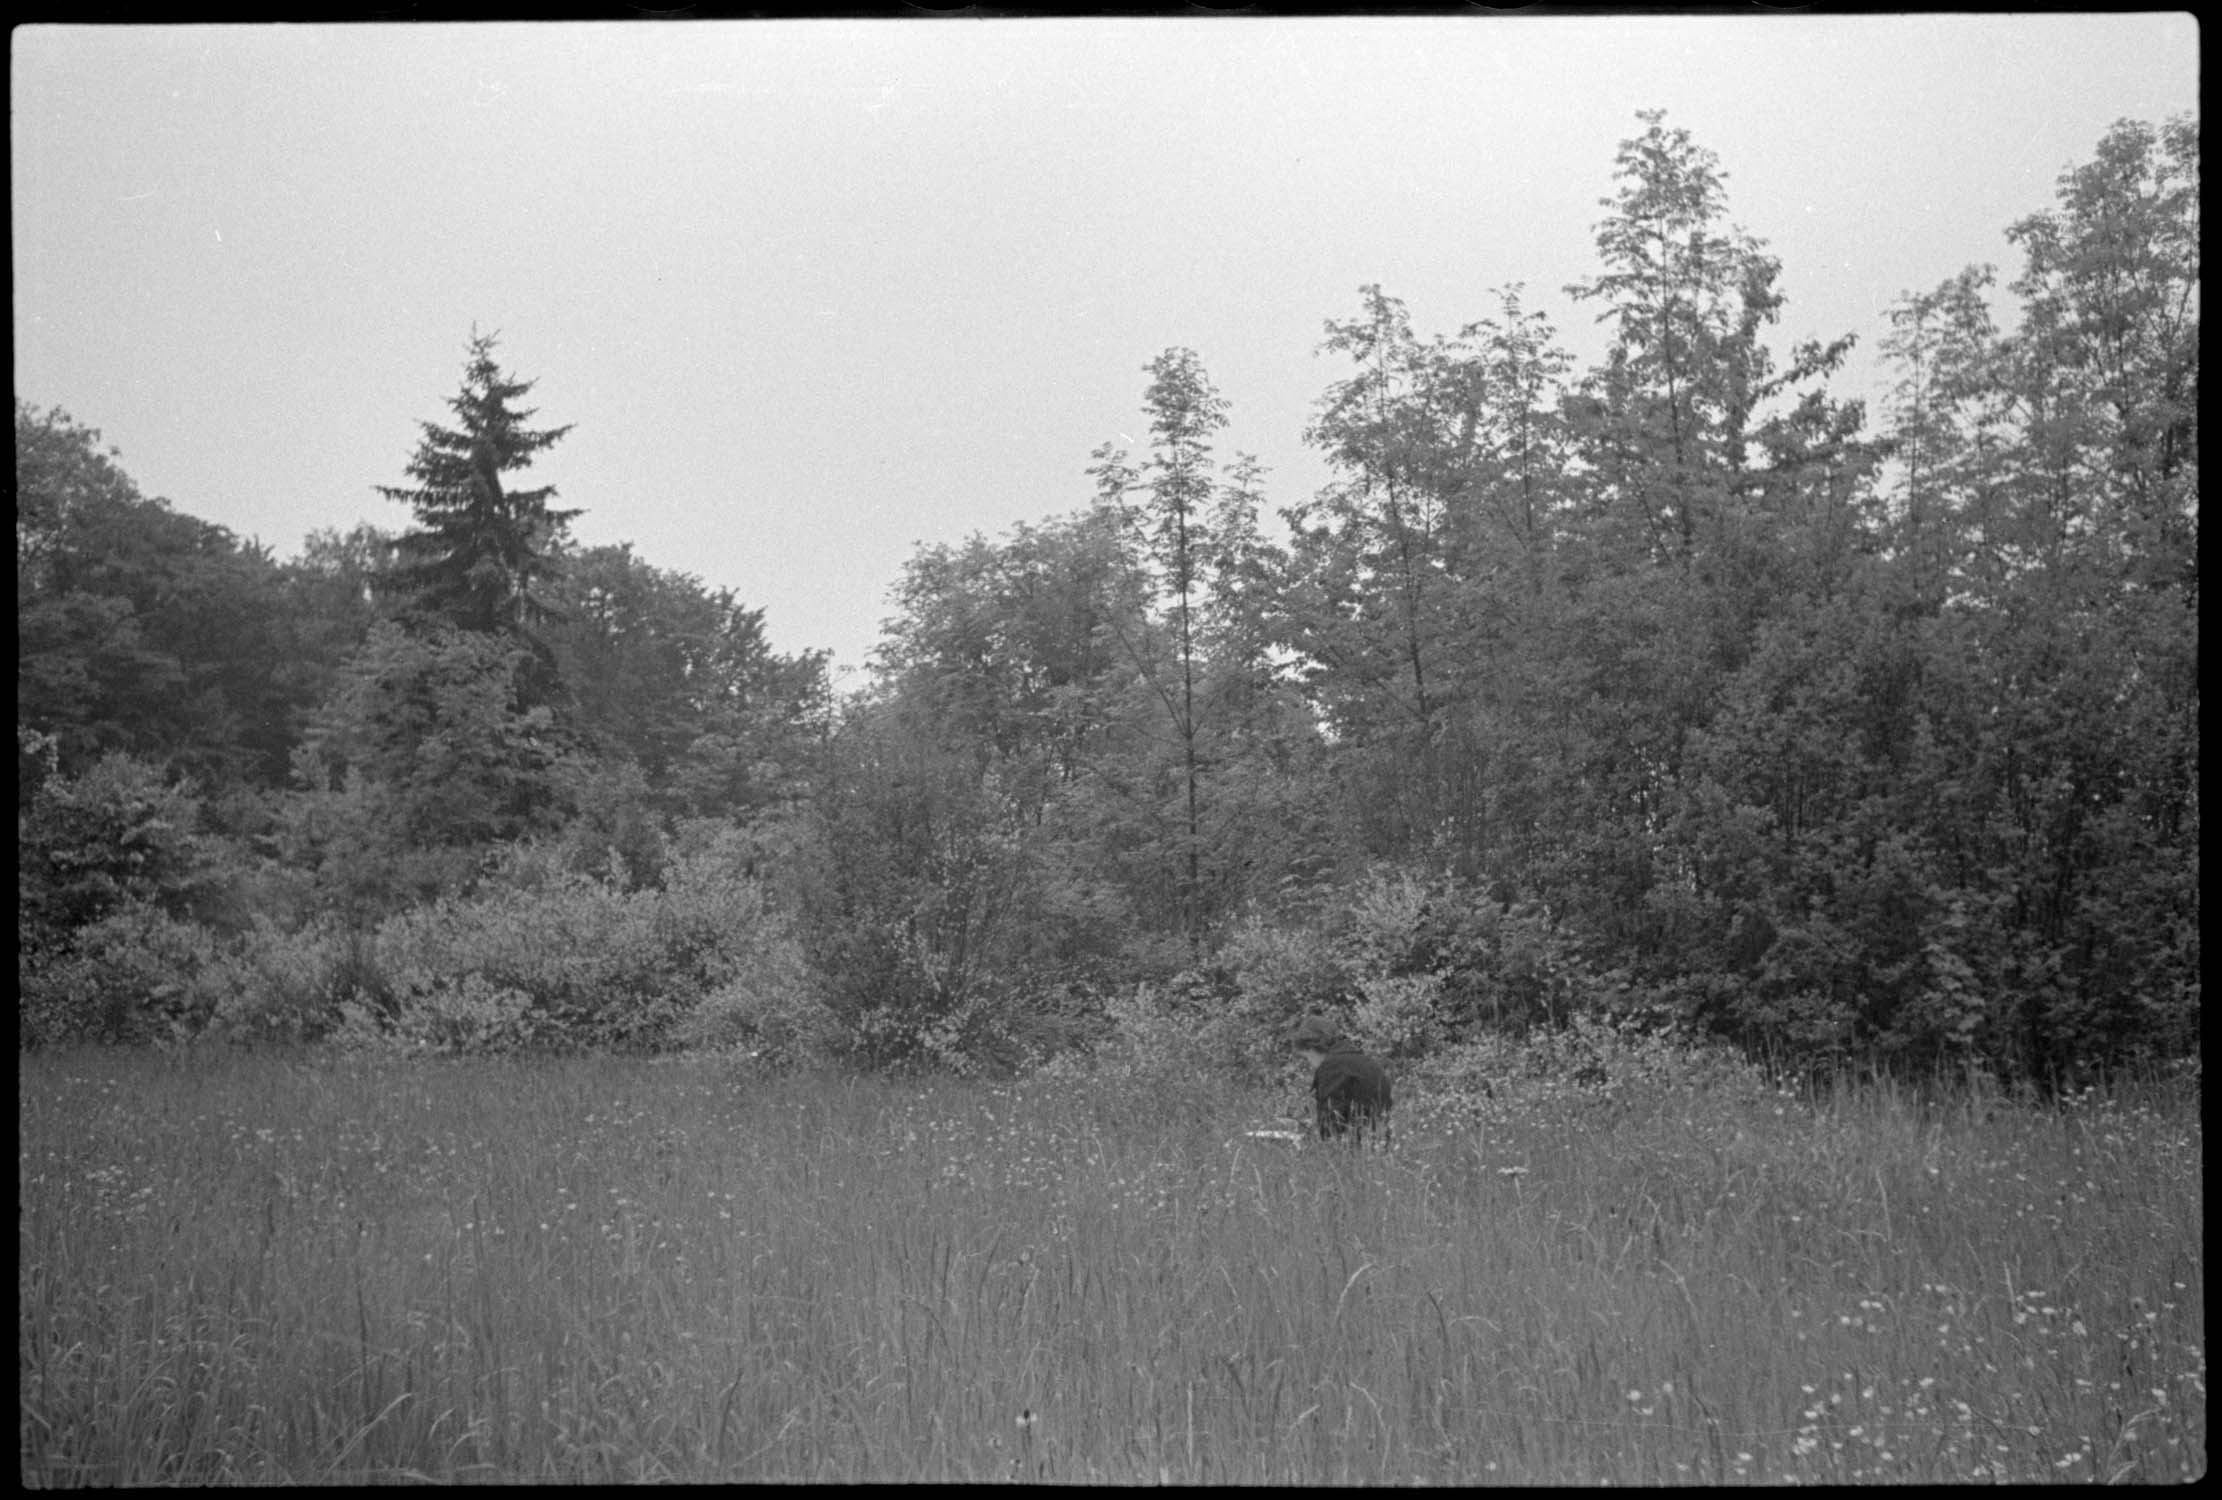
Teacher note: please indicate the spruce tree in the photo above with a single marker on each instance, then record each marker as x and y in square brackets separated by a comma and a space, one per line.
[479, 548]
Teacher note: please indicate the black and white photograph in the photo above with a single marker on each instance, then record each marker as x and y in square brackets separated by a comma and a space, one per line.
[1204, 747]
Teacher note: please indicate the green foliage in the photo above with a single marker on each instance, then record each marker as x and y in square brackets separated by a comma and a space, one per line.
[1001, 826]
[542, 957]
[135, 926]
[767, 1012]
[1382, 550]
[610, 831]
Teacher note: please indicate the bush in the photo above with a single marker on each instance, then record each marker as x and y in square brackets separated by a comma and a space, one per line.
[1282, 972]
[1398, 1016]
[769, 1014]
[1198, 1027]
[280, 986]
[1415, 965]
[89, 845]
[1594, 1057]
[470, 1015]
[135, 975]
[759, 994]
[1388, 922]
[972, 1038]
[1146, 1037]
[570, 962]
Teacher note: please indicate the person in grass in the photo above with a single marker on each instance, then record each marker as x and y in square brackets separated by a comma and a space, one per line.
[1350, 1091]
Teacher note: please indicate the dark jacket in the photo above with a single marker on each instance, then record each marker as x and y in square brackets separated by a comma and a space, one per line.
[1349, 1089]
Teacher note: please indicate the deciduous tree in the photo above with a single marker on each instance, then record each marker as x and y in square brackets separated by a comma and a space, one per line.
[140, 629]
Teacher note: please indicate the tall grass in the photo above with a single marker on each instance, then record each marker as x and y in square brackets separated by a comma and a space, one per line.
[241, 1268]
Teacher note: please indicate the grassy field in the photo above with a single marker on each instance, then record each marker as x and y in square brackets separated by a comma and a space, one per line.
[256, 1269]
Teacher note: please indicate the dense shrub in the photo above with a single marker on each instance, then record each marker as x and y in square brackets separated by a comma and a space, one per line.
[422, 758]
[720, 922]
[469, 1014]
[1597, 1058]
[612, 833]
[137, 974]
[769, 1013]
[973, 1037]
[109, 868]
[1406, 963]
[541, 956]
[546, 956]
[578, 963]
[1216, 1024]
[1286, 969]
[1399, 1015]
[87, 845]
[1496, 965]
[1146, 1036]
[283, 985]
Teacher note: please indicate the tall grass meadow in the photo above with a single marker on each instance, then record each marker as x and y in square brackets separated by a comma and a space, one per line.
[331, 1267]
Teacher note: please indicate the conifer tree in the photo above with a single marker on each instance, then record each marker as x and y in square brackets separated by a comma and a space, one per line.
[479, 548]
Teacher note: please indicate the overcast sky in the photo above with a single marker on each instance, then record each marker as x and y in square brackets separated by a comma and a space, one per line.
[815, 292]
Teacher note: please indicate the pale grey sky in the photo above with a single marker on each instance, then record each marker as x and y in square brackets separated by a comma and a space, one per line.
[814, 292]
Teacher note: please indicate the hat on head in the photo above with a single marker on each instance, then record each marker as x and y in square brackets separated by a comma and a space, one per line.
[1315, 1032]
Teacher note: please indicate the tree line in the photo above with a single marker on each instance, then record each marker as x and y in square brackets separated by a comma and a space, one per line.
[1676, 690]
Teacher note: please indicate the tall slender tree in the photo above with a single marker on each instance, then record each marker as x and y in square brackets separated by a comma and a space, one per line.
[480, 549]
[1170, 506]
[1517, 468]
[1948, 412]
[1669, 419]
[1385, 519]
[2109, 354]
